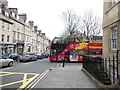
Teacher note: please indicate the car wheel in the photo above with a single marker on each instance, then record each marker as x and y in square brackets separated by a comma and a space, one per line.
[20, 60]
[30, 59]
[36, 59]
[10, 64]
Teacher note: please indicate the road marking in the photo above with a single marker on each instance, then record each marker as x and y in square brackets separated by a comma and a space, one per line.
[25, 80]
[27, 63]
[30, 80]
[19, 73]
[6, 74]
[37, 80]
[7, 68]
[58, 64]
[61, 64]
[11, 83]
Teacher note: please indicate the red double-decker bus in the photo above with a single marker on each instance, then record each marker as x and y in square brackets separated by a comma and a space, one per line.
[72, 49]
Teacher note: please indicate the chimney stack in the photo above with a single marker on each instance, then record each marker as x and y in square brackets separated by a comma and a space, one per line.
[35, 28]
[15, 10]
[23, 16]
[31, 23]
[4, 4]
[43, 35]
[39, 31]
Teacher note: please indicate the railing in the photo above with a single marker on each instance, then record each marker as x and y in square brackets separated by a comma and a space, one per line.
[104, 70]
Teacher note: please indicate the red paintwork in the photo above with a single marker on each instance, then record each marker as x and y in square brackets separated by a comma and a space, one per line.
[73, 46]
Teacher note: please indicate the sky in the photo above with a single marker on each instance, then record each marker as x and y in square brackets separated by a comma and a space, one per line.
[47, 14]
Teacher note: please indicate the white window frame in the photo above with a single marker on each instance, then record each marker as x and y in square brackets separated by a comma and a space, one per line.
[18, 36]
[13, 14]
[3, 38]
[14, 35]
[8, 27]
[114, 38]
[18, 27]
[6, 13]
[14, 25]
[3, 26]
[0, 10]
[8, 38]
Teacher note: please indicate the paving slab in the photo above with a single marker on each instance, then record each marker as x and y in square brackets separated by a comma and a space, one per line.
[66, 77]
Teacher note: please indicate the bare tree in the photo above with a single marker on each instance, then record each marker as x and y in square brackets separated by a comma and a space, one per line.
[72, 22]
[92, 24]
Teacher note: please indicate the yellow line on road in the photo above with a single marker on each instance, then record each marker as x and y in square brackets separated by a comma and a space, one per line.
[37, 79]
[19, 73]
[30, 80]
[24, 79]
[11, 83]
[6, 74]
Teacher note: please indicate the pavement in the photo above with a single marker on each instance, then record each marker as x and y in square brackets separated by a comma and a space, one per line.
[69, 76]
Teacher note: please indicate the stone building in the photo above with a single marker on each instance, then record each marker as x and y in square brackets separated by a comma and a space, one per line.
[111, 30]
[16, 34]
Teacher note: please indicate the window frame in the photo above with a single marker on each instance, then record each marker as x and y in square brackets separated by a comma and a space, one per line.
[114, 37]
[2, 39]
[3, 26]
[8, 38]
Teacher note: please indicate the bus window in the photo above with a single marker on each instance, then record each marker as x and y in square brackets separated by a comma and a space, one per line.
[81, 52]
[95, 52]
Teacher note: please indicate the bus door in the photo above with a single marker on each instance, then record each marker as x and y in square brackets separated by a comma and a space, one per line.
[77, 55]
[74, 55]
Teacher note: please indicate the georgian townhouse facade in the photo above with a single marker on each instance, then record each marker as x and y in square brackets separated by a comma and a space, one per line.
[39, 42]
[111, 30]
[34, 39]
[6, 25]
[16, 35]
[28, 39]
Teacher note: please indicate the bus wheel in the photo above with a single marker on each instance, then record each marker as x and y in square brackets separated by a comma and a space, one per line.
[66, 59]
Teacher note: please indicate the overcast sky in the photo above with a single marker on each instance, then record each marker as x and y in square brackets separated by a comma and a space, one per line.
[46, 14]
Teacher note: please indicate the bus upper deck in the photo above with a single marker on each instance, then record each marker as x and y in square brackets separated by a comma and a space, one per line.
[73, 50]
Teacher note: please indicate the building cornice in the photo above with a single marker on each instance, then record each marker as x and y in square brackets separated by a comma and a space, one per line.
[10, 17]
[112, 7]
[6, 21]
[104, 26]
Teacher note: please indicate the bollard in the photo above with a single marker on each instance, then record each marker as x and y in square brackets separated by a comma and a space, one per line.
[63, 64]
[63, 60]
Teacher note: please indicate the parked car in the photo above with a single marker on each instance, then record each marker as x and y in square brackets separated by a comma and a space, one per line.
[27, 56]
[4, 61]
[39, 55]
[13, 56]
[46, 55]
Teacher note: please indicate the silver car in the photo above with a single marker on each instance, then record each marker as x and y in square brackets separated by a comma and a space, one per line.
[27, 56]
[4, 61]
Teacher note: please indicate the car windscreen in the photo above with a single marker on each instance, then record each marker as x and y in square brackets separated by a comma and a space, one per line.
[25, 54]
[38, 54]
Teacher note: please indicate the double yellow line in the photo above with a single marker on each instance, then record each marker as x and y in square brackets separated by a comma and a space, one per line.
[33, 84]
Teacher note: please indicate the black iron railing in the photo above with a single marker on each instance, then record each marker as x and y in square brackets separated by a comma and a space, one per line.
[104, 70]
